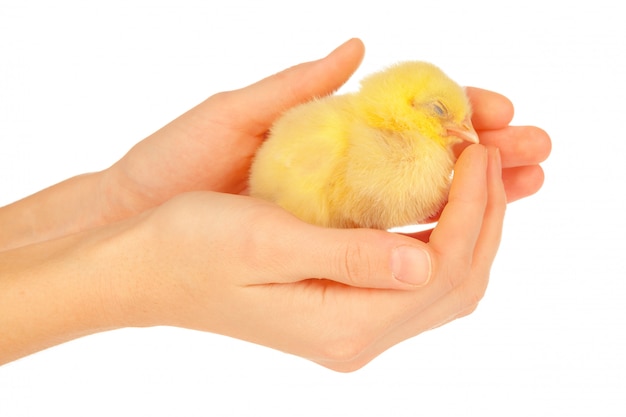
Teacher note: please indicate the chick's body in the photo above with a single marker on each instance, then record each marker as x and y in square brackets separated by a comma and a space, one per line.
[378, 158]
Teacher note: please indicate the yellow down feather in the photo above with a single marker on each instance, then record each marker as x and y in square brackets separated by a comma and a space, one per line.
[379, 158]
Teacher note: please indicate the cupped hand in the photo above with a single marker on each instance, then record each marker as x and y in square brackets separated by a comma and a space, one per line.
[245, 268]
[211, 146]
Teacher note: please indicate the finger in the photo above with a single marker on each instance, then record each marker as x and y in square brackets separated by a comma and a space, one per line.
[464, 298]
[461, 219]
[471, 289]
[368, 258]
[267, 99]
[520, 182]
[491, 231]
[490, 110]
[519, 145]
[363, 258]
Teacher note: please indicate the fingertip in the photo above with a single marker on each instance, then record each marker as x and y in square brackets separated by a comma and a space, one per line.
[474, 152]
[269, 97]
[521, 182]
[472, 160]
[353, 46]
[411, 265]
[491, 110]
[343, 61]
[543, 143]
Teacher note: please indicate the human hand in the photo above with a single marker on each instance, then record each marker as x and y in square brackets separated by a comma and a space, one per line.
[211, 146]
[522, 147]
[245, 268]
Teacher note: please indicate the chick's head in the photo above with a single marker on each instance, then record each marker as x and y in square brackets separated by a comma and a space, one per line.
[417, 96]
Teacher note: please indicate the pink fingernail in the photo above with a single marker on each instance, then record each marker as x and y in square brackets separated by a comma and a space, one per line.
[411, 265]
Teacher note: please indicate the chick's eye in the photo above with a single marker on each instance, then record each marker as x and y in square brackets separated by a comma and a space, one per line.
[440, 109]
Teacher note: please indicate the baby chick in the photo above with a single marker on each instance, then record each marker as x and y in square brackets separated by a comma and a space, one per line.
[378, 158]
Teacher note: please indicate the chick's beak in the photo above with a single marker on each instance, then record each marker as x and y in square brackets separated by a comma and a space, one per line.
[464, 131]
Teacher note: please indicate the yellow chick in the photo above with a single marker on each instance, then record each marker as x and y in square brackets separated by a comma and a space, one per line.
[378, 158]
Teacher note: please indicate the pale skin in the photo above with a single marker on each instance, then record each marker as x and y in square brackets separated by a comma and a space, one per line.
[167, 236]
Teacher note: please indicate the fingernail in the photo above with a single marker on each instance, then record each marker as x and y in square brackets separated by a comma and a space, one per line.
[411, 265]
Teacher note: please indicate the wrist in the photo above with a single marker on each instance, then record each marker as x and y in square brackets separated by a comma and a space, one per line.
[125, 260]
[62, 209]
[74, 286]
[65, 293]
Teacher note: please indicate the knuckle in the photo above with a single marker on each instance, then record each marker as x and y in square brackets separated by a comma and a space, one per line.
[221, 98]
[355, 264]
[455, 273]
[467, 311]
[474, 296]
[344, 350]
[259, 246]
[223, 105]
[466, 288]
[471, 296]
[347, 343]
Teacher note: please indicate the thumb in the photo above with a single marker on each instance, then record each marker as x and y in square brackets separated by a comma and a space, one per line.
[265, 100]
[361, 258]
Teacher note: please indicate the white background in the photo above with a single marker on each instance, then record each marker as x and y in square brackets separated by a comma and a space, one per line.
[80, 83]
